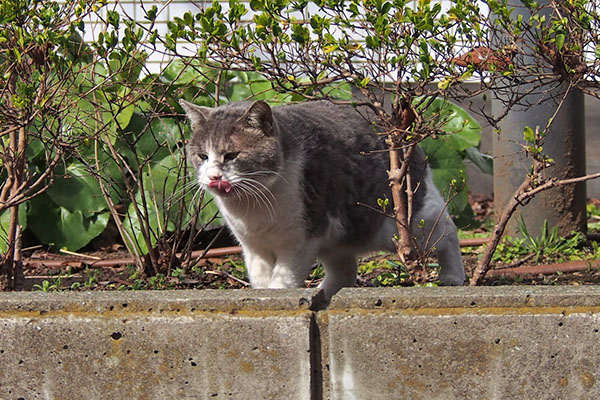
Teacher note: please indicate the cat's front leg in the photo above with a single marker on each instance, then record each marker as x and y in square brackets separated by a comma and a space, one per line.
[291, 269]
[259, 268]
[340, 271]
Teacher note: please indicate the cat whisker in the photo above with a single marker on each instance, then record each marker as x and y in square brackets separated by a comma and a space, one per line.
[188, 186]
[198, 195]
[182, 191]
[265, 190]
[249, 193]
[264, 173]
[239, 191]
[262, 196]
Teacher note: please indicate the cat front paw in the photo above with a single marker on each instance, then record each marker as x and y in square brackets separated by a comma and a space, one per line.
[452, 280]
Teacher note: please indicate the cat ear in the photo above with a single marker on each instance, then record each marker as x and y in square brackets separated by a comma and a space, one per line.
[196, 114]
[259, 116]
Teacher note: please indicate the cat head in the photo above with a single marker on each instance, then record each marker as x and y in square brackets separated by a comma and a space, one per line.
[235, 148]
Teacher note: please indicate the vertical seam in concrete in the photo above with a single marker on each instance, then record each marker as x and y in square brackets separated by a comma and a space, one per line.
[319, 342]
[316, 359]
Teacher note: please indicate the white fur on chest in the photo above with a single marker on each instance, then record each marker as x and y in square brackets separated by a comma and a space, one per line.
[272, 219]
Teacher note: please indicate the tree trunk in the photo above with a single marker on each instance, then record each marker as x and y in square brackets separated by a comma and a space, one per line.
[399, 176]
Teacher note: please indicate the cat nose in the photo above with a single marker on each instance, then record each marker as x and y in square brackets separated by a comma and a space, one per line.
[215, 177]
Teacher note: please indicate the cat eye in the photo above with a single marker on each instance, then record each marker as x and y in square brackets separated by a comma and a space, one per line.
[231, 156]
[202, 156]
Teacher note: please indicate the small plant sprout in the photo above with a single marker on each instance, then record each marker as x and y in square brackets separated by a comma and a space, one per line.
[383, 203]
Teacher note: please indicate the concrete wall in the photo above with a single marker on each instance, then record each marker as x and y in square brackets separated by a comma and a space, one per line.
[406, 343]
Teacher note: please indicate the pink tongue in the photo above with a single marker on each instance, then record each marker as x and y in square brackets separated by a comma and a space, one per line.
[220, 185]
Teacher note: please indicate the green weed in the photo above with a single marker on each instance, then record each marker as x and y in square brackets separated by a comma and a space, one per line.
[389, 273]
[91, 277]
[47, 286]
[159, 282]
[238, 268]
[317, 273]
[593, 214]
[550, 246]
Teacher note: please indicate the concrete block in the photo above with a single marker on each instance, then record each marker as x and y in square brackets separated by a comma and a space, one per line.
[209, 344]
[369, 344]
[464, 343]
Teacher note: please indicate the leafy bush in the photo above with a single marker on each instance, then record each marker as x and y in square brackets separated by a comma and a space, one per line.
[102, 139]
[140, 144]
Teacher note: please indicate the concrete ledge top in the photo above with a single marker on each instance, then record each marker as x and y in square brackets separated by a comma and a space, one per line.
[302, 300]
[484, 297]
[162, 301]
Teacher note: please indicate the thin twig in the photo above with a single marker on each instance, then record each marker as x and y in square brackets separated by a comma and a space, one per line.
[228, 275]
[73, 253]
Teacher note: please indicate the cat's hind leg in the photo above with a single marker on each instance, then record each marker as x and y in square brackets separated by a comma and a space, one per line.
[439, 233]
[433, 229]
[449, 257]
[340, 271]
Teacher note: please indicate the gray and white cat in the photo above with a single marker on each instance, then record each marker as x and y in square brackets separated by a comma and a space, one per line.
[288, 181]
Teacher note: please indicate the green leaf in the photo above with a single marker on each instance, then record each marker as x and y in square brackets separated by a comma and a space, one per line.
[133, 226]
[340, 91]
[447, 166]
[364, 82]
[78, 191]
[254, 86]
[181, 73]
[446, 155]
[483, 161]
[256, 5]
[158, 138]
[464, 130]
[34, 149]
[445, 83]
[124, 115]
[529, 134]
[116, 115]
[79, 230]
[559, 40]
[330, 48]
[300, 34]
[151, 13]
[61, 228]
[163, 195]
[132, 68]
[5, 222]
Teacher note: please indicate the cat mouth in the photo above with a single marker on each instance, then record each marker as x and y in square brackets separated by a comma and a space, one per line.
[221, 186]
